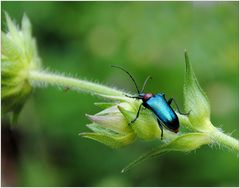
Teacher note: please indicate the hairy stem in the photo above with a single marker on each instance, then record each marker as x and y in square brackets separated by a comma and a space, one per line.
[225, 140]
[40, 78]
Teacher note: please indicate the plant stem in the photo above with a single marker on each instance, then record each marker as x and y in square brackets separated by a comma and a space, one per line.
[225, 140]
[41, 78]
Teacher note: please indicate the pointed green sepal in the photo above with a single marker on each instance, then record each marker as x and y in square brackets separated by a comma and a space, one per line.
[113, 141]
[115, 122]
[104, 105]
[196, 101]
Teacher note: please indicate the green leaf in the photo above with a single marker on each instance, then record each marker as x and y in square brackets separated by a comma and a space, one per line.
[196, 101]
[184, 143]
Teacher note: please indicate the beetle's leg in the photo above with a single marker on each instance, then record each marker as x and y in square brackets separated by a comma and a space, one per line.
[161, 127]
[172, 99]
[133, 97]
[129, 96]
[136, 115]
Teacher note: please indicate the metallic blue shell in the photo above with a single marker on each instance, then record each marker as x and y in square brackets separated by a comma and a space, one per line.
[163, 111]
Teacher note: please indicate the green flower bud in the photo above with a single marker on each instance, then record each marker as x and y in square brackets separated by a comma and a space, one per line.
[19, 55]
[146, 126]
[111, 139]
[110, 127]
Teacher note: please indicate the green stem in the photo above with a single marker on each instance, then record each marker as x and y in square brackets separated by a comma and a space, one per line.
[40, 78]
[225, 140]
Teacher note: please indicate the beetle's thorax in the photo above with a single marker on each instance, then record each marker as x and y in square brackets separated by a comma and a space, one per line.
[146, 96]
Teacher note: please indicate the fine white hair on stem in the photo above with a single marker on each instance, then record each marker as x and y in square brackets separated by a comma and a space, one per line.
[42, 78]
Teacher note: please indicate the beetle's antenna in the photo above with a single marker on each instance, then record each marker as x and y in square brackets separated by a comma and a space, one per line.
[145, 82]
[128, 75]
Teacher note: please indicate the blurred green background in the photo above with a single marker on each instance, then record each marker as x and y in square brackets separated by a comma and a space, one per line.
[148, 38]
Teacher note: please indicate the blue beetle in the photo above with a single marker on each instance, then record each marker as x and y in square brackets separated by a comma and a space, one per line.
[158, 104]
